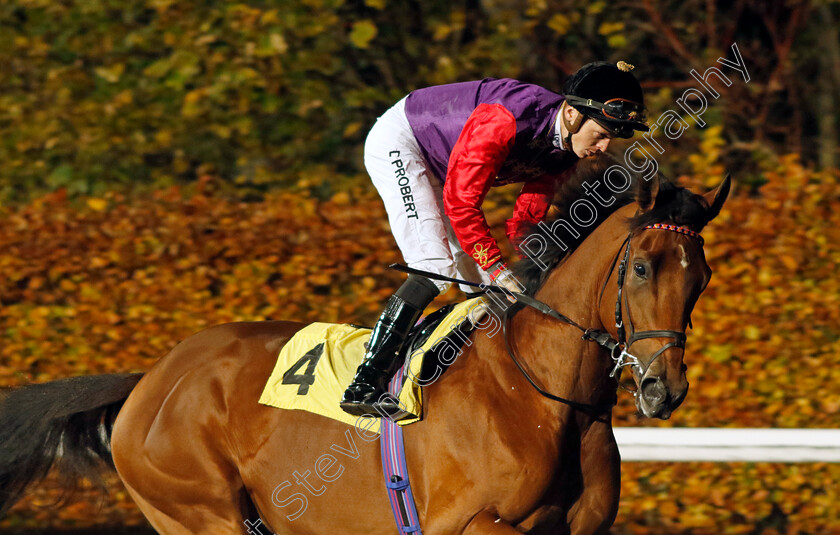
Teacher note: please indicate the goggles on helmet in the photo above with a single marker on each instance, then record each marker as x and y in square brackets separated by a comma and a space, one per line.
[615, 109]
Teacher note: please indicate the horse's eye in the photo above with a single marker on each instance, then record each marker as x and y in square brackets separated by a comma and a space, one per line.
[640, 270]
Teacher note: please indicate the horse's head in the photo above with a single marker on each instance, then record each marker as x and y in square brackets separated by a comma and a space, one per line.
[630, 277]
[660, 272]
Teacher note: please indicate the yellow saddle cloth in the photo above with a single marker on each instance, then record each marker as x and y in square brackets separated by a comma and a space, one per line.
[318, 363]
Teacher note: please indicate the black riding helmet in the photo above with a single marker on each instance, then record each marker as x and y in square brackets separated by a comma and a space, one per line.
[610, 95]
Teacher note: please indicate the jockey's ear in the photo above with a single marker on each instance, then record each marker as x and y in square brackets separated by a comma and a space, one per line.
[717, 196]
[648, 190]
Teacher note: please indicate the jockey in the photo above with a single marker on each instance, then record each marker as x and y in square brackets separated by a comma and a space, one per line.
[434, 155]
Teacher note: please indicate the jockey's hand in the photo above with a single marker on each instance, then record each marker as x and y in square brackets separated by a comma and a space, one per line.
[502, 276]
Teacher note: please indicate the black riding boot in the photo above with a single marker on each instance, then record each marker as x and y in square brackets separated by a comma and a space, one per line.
[386, 341]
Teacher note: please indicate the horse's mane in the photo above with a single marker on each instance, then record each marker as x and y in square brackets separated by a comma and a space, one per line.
[674, 204]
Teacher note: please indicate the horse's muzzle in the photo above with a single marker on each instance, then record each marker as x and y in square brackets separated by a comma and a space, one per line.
[656, 399]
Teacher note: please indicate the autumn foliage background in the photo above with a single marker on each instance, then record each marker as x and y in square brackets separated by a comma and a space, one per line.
[169, 166]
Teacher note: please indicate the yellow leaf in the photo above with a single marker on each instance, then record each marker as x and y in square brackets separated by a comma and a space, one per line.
[595, 7]
[193, 96]
[617, 41]
[163, 138]
[789, 262]
[607, 28]
[320, 279]
[124, 97]
[341, 198]
[752, 332]
[352, 128]
[97, 204]
[67, 285]
[269, 17]
[98, 262]
[278, 43]
[441, 31]
[363, 33]
[559, 23]
[111, 74]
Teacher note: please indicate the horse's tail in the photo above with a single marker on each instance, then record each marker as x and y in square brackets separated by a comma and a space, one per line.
[66, 423]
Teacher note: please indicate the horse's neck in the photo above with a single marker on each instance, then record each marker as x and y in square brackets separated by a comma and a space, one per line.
[576, 284]
[565, 364]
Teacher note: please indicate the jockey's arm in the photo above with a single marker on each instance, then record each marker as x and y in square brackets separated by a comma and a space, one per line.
[477, 157]
[531, 207]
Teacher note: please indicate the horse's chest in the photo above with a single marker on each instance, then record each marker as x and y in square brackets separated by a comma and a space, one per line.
[521, 473]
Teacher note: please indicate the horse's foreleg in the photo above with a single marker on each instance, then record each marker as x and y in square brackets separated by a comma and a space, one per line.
[489, 523]
[595, 510]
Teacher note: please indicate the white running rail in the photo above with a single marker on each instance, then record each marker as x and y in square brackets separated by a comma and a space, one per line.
[728, 444]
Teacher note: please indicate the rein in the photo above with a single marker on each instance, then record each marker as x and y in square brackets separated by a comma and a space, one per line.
[601, 337]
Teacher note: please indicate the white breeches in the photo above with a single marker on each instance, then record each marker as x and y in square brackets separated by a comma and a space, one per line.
[413, 198]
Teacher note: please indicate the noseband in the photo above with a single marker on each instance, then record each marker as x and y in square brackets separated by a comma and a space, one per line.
[618, 349]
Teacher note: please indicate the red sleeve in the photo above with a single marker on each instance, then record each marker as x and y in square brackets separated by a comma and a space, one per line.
[531, 207]
[478, 155]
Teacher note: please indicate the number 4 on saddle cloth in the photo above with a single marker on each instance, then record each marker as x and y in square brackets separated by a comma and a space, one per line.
[317, 363]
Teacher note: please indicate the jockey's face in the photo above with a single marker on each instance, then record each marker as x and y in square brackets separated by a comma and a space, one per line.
[591, 139]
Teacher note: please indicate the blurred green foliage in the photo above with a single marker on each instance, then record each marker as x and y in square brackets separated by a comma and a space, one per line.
[118, 94]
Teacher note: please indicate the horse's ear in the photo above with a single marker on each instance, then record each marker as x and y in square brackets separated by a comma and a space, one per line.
[647, 192]
[717, 196]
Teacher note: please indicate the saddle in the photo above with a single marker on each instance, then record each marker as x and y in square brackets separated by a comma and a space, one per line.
[319, 361]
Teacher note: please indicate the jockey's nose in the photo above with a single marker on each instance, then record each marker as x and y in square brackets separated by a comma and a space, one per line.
[603, 144]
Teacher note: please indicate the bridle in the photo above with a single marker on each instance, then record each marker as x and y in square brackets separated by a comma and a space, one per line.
[625, 358]
[618, 349]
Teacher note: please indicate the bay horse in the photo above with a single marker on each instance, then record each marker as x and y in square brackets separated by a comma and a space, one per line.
[491, 456]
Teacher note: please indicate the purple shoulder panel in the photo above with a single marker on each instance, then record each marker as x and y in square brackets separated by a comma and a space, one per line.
[437, 115]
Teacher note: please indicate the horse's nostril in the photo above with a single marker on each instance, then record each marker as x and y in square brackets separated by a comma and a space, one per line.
[653, 389]
[680, 397]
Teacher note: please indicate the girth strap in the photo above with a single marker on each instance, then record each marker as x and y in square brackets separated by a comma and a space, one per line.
[395, 470]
